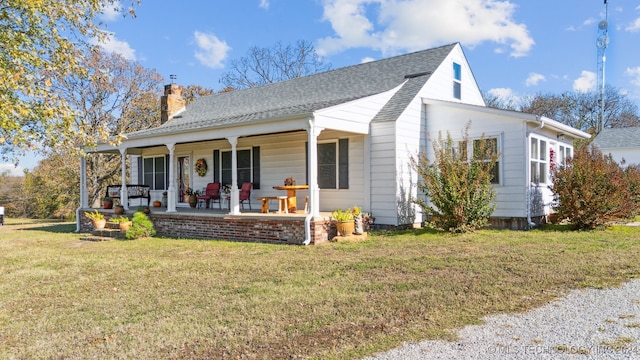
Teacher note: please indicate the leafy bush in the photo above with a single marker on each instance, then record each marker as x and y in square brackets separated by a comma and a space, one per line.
[141, 226]
[591, 190]
[458, 188]
[632, 173]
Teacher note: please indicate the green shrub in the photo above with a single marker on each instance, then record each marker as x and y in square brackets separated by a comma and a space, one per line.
[632, 173]
[458, 187]
[591, 190]
[141, 226]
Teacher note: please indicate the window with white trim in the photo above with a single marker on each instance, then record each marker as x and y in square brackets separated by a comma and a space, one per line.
[457, 81]
[155, 172]
[564, 153]
[492, 144]
[248, 166]
[538, 161]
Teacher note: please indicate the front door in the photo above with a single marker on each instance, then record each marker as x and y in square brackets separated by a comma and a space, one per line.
[184, 172]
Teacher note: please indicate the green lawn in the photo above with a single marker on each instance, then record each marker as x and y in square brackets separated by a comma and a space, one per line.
[164, 298]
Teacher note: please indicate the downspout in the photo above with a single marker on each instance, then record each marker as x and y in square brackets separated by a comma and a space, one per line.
[528, 170]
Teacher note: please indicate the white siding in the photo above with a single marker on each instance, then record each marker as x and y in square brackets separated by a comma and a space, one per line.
[630, 156]
[440, 84]
[511, 197]
[282, 156]
[383, 173]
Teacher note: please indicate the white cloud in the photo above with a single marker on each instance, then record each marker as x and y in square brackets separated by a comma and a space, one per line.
[634, 73]
[502, 93]
[586, 81]
[211, 50]
[534, 79]
[110, 12]
[112, 45]
[11, 170]
[418, 24]
[264, 4]
[635, 26]
[367, 59]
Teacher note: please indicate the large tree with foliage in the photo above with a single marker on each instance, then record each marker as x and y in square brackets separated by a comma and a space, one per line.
[38, 39]
[114, 96]
[269, 65]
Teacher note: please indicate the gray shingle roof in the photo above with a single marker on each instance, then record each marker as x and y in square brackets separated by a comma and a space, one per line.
[302, 96]
[618, 138]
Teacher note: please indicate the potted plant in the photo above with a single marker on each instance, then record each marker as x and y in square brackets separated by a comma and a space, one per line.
[97, 218]
[123, 222]
[357, 218]
[193, 197]
[344, 221]
[118, 209]
[145, 209]
[107, 202]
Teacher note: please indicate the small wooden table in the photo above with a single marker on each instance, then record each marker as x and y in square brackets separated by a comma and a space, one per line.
[291, 194]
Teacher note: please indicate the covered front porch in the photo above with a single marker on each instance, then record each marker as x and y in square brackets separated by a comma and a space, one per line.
[218, 224]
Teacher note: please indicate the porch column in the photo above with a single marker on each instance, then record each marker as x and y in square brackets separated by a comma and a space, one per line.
[171, 191]
[124, 201]
[314, 192]
[235, 193]
[84, 192]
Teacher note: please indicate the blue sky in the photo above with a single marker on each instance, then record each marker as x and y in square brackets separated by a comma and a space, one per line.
[515, 48]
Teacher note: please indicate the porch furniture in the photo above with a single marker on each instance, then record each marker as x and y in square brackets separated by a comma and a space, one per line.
[134, 191]
[282, 205]
[245, 194]
[211, 194]
[265, 203]
[291, 195]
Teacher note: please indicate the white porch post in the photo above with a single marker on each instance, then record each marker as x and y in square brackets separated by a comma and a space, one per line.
[314, 192]
[124, 201]
[235, 193]
[84, 192]
[171, 191]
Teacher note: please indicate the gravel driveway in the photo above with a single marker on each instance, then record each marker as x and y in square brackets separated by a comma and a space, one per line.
[586, 324]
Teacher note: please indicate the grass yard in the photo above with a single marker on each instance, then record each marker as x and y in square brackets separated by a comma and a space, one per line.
[166, 298]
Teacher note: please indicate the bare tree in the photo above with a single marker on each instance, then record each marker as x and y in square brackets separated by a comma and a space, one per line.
[268, 65]
[580, 110]
[192, 92]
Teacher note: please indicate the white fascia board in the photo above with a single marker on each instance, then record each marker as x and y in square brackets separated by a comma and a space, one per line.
[530, 118]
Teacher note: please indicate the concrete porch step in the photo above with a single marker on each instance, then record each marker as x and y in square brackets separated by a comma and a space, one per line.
[109, 233]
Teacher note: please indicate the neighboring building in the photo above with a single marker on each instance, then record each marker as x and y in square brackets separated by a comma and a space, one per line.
[623, 144]
[349, 134]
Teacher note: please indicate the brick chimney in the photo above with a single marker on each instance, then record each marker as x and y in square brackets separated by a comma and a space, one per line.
[171, 102]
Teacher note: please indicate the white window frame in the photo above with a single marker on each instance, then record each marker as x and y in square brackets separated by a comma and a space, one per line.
[469, 152]
[538, 160]
[154, 172]
[457, 81]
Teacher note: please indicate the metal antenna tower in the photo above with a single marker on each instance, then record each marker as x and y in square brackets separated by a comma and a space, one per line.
[601, 44]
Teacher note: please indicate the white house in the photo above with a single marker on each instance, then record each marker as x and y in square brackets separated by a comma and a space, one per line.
[623, 144]
[349, 134]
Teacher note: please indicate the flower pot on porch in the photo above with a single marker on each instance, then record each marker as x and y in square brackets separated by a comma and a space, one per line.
[193, 200]
[118, 210]
[345, 228]
[107, 203]
[124, 226]
[99, 223]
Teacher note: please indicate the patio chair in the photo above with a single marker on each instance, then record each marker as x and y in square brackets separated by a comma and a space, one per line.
[211, 195]
[245, 194]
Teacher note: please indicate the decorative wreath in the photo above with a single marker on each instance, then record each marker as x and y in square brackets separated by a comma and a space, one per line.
[201, 167]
